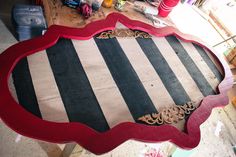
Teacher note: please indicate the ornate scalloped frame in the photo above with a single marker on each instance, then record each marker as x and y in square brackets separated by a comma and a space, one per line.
[29, 125]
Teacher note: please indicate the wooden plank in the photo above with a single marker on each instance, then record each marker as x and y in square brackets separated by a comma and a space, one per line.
[221, 28]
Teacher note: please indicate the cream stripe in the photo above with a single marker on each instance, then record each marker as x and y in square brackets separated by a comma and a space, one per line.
[178, 68]
[147, 74]
[109, 97]
[221, 55]
[203, 67]
[47, 93]
[12, 89]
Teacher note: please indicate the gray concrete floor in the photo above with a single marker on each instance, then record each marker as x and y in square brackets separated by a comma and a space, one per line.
[5, 11]
[11, 143]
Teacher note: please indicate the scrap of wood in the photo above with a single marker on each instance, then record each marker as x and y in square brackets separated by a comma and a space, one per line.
[234, 101]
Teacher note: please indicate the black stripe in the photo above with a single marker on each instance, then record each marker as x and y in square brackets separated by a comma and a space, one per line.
[76, 92]
[128, 82]
[24, 87]
[209, 62]
[190, 66]
[164, 71]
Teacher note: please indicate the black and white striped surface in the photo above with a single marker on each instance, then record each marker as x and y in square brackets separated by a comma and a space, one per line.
[104, 82]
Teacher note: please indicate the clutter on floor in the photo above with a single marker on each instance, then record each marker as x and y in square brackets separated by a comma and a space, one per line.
[149, 7]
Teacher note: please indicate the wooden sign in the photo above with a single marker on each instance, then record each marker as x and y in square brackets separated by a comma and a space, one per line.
[104, 84]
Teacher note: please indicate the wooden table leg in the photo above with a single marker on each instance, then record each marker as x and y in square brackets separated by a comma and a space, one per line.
[71, 148]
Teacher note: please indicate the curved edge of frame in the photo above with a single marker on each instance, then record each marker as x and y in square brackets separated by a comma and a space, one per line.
[29, 125]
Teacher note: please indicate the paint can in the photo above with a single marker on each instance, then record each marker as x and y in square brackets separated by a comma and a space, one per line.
[166, 7]
[107, 3]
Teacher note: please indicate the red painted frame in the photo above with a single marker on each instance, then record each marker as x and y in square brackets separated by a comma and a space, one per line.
[29, 125]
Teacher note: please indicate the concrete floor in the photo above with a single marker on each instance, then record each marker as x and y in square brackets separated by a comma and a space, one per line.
[11, 144]
[5, 11]
[211, 145]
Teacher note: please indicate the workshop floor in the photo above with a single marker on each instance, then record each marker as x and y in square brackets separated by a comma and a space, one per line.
[218, 132]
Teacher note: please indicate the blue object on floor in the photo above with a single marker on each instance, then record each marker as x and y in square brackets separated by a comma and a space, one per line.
[72, 3]
[28, 21]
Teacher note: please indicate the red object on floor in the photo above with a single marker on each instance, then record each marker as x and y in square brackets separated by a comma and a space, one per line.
[166, 7]
[85, 9]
